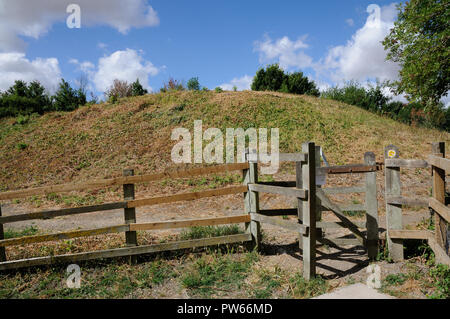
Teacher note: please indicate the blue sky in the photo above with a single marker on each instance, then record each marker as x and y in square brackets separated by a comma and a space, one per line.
[221, 42]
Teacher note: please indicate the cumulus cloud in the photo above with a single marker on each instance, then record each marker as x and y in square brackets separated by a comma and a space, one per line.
[242, 83]
[15, 66]
[286, 52]
[363, 57]
[126, 65]
[35, 18]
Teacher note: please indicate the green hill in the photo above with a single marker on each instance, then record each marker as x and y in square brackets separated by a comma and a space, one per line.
[98, 141]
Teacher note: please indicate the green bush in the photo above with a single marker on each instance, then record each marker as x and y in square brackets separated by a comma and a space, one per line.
[137, 89]
[273, 78]
[374, 100]
[23, 99]
[68, 99]
[193, 84]
[218, 89]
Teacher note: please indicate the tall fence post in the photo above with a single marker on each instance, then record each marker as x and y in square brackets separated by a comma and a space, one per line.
[299, 185]
[309, 210]
[2, 236]
[252, 198]
[440, 226]
[130, 214]
[371, 205]
[319, 232]
[393, 212]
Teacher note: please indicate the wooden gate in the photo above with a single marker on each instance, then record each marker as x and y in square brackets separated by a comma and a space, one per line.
[364, 233]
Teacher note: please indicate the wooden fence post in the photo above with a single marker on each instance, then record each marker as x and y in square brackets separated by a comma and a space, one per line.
[2, 236]
[252, 198]
[319, 232]
[130, 214]
[309, 210]
[440, 226]
[299, 185]
[393, 212]
[371, 204]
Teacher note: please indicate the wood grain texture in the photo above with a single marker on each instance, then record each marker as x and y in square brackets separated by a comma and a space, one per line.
[63, 235]
[441, 209]
[186, 196]
[126, 251]
[407, 163]
[394, 218]
[292, 192]
[191, 223]
[410, 234]
[101, 183]
[400, 200]
[442, 163]
[61, 212]
[294, 226]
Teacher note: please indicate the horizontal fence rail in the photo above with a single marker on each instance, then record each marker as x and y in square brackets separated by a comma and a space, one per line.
[293, 192]
[406, 163]
[126, 251]
[125, 228]
[440, 162]
[101, 183]
[125, 204]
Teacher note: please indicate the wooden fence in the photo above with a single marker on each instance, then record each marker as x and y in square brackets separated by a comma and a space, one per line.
[252, 217]
[312, 200]
[440, 166]
[130, 226]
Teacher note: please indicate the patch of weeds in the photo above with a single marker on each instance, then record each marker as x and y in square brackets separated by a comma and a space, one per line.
[154, 273]
[218, 272]
[23, 119]
[268, 282]
[441, 282]
[395, 279]
[308, 289]
[383, 253]
[21, 146]
[29, 231]
[418, 248]
[198, 232]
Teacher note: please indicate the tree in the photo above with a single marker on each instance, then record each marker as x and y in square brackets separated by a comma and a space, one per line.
[137, 89]
[119, 89]
[269, 79]
[273, 78]
[68, 99]
[193, 84]
[296, 83]
[419, 42]
[23, 99]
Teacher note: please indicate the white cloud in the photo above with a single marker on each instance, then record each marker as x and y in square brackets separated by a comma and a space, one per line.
[127, 65]
[15, 66]
[242, 83]
[284, 51]
[35, 18]
[350, 22]
[363, 57]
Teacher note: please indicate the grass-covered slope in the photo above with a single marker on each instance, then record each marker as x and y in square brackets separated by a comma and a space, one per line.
[101, 140]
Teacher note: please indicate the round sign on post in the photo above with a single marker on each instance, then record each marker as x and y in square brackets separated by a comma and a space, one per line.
[391, 151]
